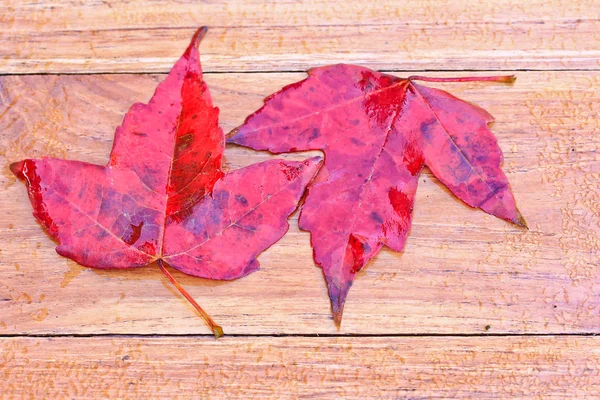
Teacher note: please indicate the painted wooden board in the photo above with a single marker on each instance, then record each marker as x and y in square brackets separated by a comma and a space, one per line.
[147, 36]
[301, 368]
[461, 272]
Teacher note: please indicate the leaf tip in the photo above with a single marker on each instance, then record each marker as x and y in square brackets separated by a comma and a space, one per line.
[17, 168]
[199, 35]
[337, 319]
[231, 135]
[192, 49]
[520, 221]
[337, 296]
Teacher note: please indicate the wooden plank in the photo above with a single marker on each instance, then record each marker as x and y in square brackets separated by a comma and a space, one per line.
[461, 272]
[147, 36]
[274, 368]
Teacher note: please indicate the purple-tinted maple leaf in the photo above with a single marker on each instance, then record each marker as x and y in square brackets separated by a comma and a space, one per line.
[163, 196]
[377, 132]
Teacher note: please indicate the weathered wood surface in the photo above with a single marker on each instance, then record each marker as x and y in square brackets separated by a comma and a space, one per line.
[461, 272]
[316, 368]
[146, 36]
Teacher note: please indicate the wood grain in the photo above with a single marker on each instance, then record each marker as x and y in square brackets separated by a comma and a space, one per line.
[461, 272]
[147, 36]
[276, 368]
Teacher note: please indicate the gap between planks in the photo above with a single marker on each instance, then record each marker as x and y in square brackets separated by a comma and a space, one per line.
[297, 335]
[295, 71]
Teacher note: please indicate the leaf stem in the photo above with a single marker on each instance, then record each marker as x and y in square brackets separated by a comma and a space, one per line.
[217, 330]
[501, 79]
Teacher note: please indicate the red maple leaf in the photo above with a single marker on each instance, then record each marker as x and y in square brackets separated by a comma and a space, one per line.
[377, 132]
[163, 196]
